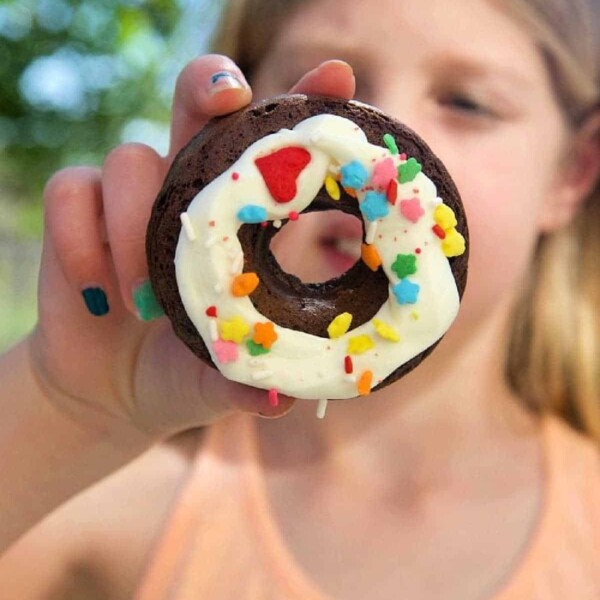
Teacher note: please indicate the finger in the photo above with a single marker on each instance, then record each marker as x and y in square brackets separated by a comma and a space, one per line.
[73, 224]
[331, 78]
[209, 86]
[131, 179]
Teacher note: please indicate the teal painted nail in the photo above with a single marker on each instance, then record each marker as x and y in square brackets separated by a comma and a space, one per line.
[146, 303]
[95, 301]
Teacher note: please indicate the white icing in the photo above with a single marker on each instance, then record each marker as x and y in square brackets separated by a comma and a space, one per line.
[299, 364]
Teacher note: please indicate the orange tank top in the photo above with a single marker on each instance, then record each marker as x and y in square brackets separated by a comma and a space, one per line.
[221, 541]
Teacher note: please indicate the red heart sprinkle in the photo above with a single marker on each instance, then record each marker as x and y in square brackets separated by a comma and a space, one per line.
[211, 311]
[281, 169]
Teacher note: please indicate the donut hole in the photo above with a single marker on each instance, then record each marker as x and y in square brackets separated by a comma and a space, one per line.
[319, 246]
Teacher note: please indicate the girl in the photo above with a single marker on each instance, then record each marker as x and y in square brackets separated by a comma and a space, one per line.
[462, 480]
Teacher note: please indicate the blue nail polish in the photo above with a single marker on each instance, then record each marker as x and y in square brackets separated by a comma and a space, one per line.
[221, 75]
[96, 301]
[225, 80]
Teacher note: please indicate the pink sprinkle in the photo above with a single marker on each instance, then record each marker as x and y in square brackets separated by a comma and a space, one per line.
[226, 351]
[235, 176]
[273, 397]
[264, 224]
[383, 173]
[403, 156]
[416, 190]
[412, 210]
[418, 251]
[293, 216]
[211, 223]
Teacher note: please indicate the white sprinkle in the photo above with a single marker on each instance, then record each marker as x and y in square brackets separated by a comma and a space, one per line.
[334, 169]
[236, 265]
[255, 362]
[350, 378]
[371, 232]
[321, 408]
[214, 332]
[258, 375]
[218, 288]
[436, 202]
[211, 241]
[277, 224]
[188, 227]
[315, 138]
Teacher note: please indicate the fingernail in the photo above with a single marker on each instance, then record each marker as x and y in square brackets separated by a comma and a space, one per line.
[225, 80]
[145, 302]
[96, 301]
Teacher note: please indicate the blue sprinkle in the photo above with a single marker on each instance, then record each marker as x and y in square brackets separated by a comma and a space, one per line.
[406, 292]
[251, 213]
[354, 175]
[375, 206]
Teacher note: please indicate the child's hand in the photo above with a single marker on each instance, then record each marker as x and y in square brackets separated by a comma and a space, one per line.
[94, 245]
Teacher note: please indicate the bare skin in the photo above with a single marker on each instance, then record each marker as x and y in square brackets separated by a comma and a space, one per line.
[403, 485]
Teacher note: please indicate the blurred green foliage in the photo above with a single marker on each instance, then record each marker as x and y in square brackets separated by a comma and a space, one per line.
[77, 78]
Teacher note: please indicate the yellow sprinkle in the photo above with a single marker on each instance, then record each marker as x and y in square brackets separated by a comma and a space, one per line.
[414, 315]
[360, 344]
[387, 332]
[444, 217]
[340, 325]
[453, 244]
[234, 330]
[333, 189]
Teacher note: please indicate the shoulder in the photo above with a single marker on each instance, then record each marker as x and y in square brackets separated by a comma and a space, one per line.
[104, 534]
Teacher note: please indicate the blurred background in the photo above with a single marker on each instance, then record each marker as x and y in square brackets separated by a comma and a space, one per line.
[78, 77]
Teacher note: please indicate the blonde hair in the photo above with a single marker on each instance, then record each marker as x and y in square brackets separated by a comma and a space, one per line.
[553, 357]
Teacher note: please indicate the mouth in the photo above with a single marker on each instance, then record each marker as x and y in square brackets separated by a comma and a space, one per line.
[341, 244]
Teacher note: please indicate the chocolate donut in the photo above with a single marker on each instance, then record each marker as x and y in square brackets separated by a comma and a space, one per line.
[241, 179]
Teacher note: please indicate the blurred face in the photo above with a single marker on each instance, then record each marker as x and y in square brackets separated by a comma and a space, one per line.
[467, 79]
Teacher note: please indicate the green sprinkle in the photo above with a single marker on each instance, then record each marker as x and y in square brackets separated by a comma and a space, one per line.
[390, 142]
[405, 265]
[256, 349]
[409, 170]
[146, 303]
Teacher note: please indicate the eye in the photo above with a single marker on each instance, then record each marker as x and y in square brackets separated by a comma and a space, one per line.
[465, 105]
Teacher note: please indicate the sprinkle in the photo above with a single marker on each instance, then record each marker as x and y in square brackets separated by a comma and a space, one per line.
[414, 315]
[321, 409]
[252, 213]
[439, 232]
[383, 173]
[277, 224]
[340, 325]
[403, 156]
[409, 170]
[235, 176]
[412, 209]
[387, 332]
[406, 292]
[405, 265]
[390, 142]
[444, 216]
[188, 227]
[237, 263]
[454, 244]
[245, 284]
[348, 366]
[259, 375]
[392, 191]
[264, 224]
[418, 251]
[293, 216]
[212, 223]
[364, 383]
[354, 175]
[256, 362]
[211, 241]
[273, 397]
[234, 330]
[218, 288]
[371, 232]
[370, 256]
[281, 169]
[360, 344]
[264, 334]
[350, 378]
[212, 328]
[255, 349]
[333, 189]
[226, 352]
[350, 192]
[374, 206]
[211, 311]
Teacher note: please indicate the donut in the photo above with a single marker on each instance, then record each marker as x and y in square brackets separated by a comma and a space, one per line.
[242, 179]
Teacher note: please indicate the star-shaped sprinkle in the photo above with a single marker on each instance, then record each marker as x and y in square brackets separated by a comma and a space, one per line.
[406, 292]
[375, 206]
[264, 334]
[405, 265]
[234, 330]
[354, 175]
[412, 209]
[409, 170]
[226, 352]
